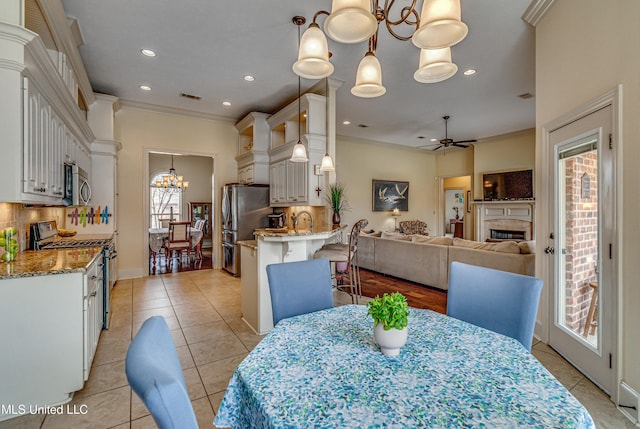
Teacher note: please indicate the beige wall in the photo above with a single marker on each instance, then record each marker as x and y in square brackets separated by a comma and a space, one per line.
[141, 131]
[585, 48]
[514, 151]
[358, 162]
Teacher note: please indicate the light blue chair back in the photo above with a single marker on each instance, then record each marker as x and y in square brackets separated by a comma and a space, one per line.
[155, 374]
[299, 287]
[503, 302]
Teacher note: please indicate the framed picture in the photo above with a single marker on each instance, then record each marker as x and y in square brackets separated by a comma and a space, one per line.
[389, 195]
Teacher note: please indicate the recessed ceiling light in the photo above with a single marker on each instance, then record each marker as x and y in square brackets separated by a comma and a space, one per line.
[226, 103]
[248, 78]
[434, 140]
[145, 87]
[148, 52]
[346, 122]
[470, 72]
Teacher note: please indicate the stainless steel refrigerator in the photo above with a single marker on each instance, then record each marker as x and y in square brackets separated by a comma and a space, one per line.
[244, 208]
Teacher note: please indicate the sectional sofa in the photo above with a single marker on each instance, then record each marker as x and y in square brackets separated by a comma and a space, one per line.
[426, 260]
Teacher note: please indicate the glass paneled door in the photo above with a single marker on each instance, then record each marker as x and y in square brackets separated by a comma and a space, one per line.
[584, 207]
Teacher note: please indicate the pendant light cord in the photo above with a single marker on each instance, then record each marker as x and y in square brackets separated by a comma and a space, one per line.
[299, 95]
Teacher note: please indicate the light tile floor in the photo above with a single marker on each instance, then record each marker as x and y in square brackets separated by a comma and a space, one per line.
[202, 309]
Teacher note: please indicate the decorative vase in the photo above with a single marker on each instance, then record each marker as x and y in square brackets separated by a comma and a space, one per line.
[390, 341]
[336, 218]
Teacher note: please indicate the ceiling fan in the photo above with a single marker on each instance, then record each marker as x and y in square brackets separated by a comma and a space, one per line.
[447, 142]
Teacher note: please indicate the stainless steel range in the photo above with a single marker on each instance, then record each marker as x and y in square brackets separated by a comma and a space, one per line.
[44, 235]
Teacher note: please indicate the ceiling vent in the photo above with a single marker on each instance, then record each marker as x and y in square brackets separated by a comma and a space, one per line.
[190, 96]
[363, 126]
[526, 95]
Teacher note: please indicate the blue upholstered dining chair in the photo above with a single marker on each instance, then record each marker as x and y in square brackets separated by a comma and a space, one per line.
[503, 302]
[155, 374]
[299, 287]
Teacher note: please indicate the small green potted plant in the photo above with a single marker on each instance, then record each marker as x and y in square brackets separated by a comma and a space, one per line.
[336, 200]
[389, 312]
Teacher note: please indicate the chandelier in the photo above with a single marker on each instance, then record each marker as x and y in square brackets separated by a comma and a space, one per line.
[354, 21]
[172, 183]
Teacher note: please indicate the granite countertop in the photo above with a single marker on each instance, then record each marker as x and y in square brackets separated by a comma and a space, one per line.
[32, 263]
[285, 232]
[252, 244]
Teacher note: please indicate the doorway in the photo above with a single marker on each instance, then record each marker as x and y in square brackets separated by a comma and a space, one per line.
[583, 290]
[198, 170]
[456, 214]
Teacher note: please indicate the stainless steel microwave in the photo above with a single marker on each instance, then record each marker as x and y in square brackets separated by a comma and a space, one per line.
[77, 189]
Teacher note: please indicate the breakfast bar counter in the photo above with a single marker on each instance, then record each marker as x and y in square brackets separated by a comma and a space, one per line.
[273, 246]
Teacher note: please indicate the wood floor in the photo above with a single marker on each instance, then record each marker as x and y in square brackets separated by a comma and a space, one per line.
[418, 296]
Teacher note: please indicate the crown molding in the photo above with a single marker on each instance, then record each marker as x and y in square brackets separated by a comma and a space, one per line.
[536, 10]
[175, 111]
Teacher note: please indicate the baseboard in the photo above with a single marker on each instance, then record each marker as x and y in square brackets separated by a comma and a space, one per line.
[131, 274]
[629, 401]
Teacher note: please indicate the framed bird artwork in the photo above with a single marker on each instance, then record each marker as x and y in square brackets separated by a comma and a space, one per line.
[389, 195]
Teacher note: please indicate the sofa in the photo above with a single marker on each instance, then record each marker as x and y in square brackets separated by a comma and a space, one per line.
[426, 260]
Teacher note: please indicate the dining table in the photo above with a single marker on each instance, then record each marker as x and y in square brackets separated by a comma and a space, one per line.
[159, 236]
[324, 370]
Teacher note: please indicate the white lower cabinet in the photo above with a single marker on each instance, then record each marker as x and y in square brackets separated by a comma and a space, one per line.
[49, 328]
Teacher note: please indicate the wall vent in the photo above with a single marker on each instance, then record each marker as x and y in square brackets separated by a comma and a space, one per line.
[190, 96]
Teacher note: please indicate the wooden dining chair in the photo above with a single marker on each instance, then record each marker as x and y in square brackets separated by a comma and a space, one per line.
[155, 374]
[179, 240]
[299, 287]
[164, 223]
[503, 302]
[345, 258]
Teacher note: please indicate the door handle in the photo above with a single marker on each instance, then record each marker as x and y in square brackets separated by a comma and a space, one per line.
[549, 250]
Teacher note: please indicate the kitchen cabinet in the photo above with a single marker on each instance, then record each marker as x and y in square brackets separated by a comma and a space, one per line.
[50, 324]
[293, 183]
[43, 127]
[199, 211]
[253, 141]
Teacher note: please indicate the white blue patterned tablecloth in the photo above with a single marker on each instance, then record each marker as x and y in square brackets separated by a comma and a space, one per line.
[324, 370]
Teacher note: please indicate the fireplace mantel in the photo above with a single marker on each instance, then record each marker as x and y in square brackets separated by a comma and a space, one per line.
[512, 215]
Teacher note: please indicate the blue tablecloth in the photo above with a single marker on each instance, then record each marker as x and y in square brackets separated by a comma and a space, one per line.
[324, 370]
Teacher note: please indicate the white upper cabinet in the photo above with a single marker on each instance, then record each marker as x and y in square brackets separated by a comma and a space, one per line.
[253, 143]
[293, 183]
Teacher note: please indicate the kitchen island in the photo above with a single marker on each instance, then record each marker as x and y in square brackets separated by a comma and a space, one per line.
[273, 246]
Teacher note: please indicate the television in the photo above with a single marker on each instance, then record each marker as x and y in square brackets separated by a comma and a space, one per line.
[508, 185]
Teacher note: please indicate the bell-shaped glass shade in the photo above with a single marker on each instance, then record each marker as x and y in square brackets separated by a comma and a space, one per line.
[369, 78]
[299, 153]
[350, 21]
[327, 163]
[435, 66]
[440, 25]
[313, 55]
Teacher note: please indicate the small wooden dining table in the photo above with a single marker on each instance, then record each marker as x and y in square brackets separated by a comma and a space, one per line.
[324, 370]
[158, 237]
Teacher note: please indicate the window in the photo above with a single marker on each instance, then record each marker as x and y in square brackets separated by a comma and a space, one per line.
[163, 205]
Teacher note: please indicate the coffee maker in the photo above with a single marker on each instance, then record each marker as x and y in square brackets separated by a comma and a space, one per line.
[276, 220]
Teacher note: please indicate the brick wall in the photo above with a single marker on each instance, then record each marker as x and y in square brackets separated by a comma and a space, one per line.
[581, 245]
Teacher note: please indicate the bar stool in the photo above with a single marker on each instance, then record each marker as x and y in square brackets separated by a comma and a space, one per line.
[345, 253]
[592, 316]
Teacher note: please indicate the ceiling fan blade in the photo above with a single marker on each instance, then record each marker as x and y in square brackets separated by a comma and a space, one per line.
[460, 145]
[466, 141]
[436, 148]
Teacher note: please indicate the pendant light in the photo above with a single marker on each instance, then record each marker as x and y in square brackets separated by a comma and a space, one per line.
[440, 25]
[350, 21]
[369, 78]
[435, 66]
[313, 55]
[327, 163]
[299, 151]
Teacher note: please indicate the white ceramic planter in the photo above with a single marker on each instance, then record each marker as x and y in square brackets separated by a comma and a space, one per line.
[390, 341]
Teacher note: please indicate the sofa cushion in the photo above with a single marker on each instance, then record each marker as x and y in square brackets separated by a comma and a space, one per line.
[527, 247]
[395, 236]
[443, 241]
[503, 246]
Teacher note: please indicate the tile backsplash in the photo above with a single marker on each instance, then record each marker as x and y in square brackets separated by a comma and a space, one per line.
[16, 215]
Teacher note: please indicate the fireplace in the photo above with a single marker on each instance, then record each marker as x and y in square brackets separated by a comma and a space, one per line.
[507, 234]
[504, 220]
